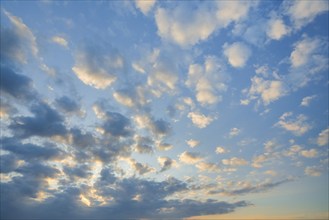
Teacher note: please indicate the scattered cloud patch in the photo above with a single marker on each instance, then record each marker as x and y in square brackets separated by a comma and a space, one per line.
[192, 143]
[297, 126]
[199, 119]
[234, 161]
[307, 100]
[190, 158]
[323, 137]
[237, 54]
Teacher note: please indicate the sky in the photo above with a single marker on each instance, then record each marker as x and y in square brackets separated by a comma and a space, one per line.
[164, 109]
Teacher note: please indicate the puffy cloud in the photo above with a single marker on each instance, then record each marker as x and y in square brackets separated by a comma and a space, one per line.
[145, 5]
[207, 167]
[116, 125]
[199, 119]
[96, 67]
[307, 100]
[189, 25]
[46, 122]
[268, 90]
[309, 153]
[304, 12]
[67, 104]
[166, 163]
[312, 171]
[208, 80]
[303, 51]
[140, 168]
[190, 157]
[164, 146]
[234, 132]
[307, 59]
[158, 127]
[17, 85]
[237, 54]
[293, 150]
[192, 143]
[277, 29]
[297, 126]
[143, 145]
[234, 161]
[258, 160]
[323, 137]
[220, 150]
[60, 41]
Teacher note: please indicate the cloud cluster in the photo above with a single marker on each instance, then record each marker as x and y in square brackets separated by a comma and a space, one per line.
[297, 126]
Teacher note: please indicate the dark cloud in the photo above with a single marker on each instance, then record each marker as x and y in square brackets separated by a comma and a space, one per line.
[166, 163]
[67, 104]
[16, 85]
[31, 151]
[80, 171]
[144, 145]
[11, 44]
[160, 127]
[45, 122]
[8, 163]
[117, 125]
[82, 140]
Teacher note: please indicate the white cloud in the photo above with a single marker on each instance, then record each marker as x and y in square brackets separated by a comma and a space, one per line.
[145, 5]
[307, 100]
[190, 158]
[60, 41]
[323, 138]
[123, 99]
[293, 150]
[303, 51]
[208, 167]
[189, 25]
[164, 146]
[234, 132]
[309, 153]
[268, 90]
[96, 67]
[207, 80]
[199, 119]
[303, 12]
[312, 171]
[220, 150]
[277, 29]
[297, 126]
[237, 54]
[234, 161]
[258, 161]
[192, 143]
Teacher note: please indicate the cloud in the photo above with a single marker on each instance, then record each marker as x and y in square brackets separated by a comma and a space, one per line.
[268, 90]
[220, 150]
[190, 158]
[164, 146]
[166, 163]
[192, 143]
[67, 104]
[97, 67]
[307, 59]
[312, 171]
[60, 41]
[207, 167]
[277, 29]
[303, 51]
[140, 168]
[16, 85]
[234, 161]
[258, 160]
[302, 13]
[145, 5]
[189, 25]
[116, 125]
[323, 137]
[208, 80]
[249, 188]
[237, 54]
[199, 119]
[23, 34]
[307, 100]
[297, 126]
[46, 122]
[309, 153]
[234, 132]
[143, 145]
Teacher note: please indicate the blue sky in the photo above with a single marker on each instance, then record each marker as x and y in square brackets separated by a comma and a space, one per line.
[164, 109]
